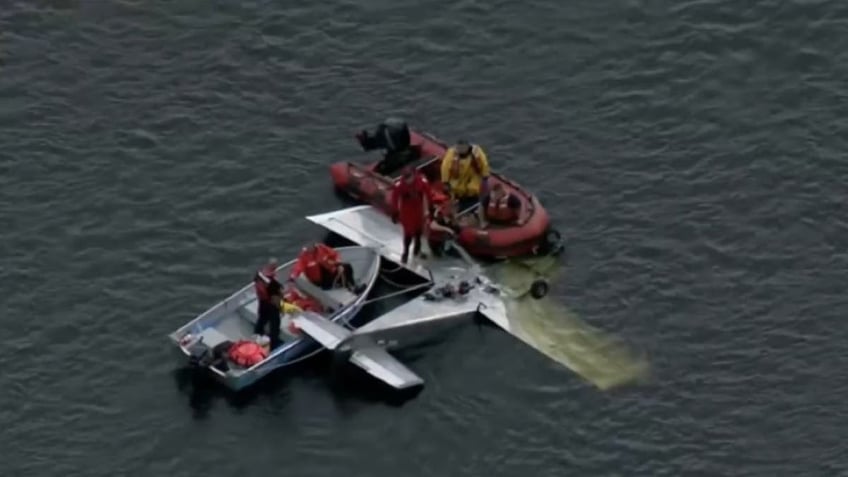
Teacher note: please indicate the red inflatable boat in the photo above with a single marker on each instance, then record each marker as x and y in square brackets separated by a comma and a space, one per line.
[372, 184]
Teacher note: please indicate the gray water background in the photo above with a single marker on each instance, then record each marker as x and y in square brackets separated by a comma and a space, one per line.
[693, 152]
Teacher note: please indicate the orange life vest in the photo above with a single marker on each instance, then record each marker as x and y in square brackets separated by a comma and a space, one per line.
[307, 263]
[247, 353]
[499, 210]
[327, 257]
[311, 262]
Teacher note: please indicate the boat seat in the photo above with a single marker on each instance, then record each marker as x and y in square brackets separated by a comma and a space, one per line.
[332, 299]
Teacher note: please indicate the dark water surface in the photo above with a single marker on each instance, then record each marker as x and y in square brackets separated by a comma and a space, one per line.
[154, 152]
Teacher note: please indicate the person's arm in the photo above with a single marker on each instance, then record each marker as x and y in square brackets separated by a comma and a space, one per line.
[485, 171]
[425, 195]
[395, 201]
[483, 162]
[434, 225]
[446, 165]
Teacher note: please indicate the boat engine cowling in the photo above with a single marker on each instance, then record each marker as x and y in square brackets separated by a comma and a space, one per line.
[391, 135]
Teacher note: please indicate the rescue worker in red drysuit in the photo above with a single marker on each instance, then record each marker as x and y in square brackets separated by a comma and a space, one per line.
[322, 265]
[410, 204]
[269, 294]
[499, 207]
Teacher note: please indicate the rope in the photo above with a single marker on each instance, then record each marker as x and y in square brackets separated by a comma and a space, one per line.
[394, 283]
[397, 267]
[397, 293]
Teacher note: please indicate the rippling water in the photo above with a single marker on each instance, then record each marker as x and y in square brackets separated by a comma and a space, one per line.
[692, 151]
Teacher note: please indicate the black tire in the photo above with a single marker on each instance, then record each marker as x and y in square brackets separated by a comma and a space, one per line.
[551, 244]
[539, 288]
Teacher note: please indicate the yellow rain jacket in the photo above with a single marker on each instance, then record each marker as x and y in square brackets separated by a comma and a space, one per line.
[465, 176]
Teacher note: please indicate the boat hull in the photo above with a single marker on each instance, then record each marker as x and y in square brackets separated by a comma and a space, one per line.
[290, 353]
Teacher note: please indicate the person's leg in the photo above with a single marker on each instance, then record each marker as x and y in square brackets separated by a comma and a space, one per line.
[328, 279]
[407, 239]
[262, 318]
[416, 247]
[274, 331]
[347, 274]
[437, 247]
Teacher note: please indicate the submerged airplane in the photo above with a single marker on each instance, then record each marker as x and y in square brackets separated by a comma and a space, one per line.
[460, 287]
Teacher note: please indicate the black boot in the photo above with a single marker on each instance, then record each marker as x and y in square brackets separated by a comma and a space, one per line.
[416, 248]
[405, 255]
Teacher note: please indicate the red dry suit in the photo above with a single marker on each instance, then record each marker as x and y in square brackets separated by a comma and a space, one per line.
[312, 261]
[408, 199]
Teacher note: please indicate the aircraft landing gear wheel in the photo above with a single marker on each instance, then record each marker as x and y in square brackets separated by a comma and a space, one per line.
[551, 245]
[553, 241]
[539, 288]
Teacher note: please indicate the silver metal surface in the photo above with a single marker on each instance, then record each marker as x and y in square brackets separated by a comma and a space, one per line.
[383, 366]
[407, 323]
[233, 319]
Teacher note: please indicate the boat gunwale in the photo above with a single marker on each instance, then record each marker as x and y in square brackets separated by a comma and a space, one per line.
[373, 276]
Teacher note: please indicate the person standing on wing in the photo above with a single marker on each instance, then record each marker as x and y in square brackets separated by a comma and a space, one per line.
[410, 202]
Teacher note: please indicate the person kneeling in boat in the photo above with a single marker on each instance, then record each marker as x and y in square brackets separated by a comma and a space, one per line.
[443, 226]
[499, 207]
[322, 266]
[268, 294]
[465, 170]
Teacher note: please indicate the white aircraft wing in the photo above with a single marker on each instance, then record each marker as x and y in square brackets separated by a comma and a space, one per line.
[369, 227]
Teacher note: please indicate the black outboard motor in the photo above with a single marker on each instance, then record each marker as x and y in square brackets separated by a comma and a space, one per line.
[393, 136]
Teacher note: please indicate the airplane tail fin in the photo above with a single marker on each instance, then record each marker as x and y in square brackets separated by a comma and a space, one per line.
[377, 362]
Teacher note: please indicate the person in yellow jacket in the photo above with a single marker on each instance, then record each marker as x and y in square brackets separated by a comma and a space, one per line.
[465, 170]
